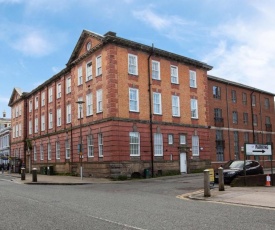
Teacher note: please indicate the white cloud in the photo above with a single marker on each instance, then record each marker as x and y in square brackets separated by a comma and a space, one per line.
[152, 19]
[246, 50]
[172, 27]
[159, 22]
[33, 44]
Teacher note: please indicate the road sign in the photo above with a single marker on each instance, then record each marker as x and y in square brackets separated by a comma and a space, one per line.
[258, 150]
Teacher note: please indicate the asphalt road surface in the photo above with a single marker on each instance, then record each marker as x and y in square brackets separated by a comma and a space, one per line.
[142, 204]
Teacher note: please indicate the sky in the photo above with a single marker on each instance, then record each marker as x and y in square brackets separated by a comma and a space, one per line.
[236, 37]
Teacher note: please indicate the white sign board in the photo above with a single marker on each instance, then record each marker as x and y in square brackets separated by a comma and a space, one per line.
[258, 150]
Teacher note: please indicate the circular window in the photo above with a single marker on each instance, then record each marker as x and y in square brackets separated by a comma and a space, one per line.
[88, 47]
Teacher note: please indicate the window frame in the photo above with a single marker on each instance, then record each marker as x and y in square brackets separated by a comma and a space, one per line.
[99, 101]
[49, 151]
[36, 102]
[195, 145]
[79, 75]
[133, 92]
[89, 70]
[134, 145]
[170, 139]
[157, 105]
[50, 123]
[41, 152]
[68, 85]
[182, 139]
[67, 149]
[175, 106]
[78, 108]
[58, 91]
[194, 108]
[30, 127]
[155, 70]
[36, 129]
[90, 145]
[68, 113]
[100, 144]
[244, 98]
[266, 103]
[98, 65]
[234, 96]
[174, 72]
[50, 96]
[43, 98]
[158, 144]
[267, 120]
[34, 153]
[58, 117]
[245, 118]
[30, 106]
[57, 150]
[43, 127]
[255, 120]
[89, 104]
[216, 92]
[192, 79]
[235, 117]
[132, 64]
[253, 100]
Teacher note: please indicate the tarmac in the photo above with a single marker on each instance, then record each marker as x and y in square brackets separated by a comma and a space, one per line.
[261, 197]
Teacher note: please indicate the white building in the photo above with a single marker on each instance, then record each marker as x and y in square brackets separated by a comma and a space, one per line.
[5, 145]
[5, 129]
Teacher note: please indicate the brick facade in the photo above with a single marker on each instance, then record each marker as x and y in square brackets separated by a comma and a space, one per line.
[234, 98]
[110, 85]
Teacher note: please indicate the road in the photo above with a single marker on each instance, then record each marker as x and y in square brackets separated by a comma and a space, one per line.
[140, 204]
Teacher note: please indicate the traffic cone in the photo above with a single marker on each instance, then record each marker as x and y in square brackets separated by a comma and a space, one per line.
[267, 183]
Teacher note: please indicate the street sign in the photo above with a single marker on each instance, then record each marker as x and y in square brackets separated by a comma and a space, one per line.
[258, 150]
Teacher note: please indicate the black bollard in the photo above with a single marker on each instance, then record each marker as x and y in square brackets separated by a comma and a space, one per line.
[23, 174]
[34, 175]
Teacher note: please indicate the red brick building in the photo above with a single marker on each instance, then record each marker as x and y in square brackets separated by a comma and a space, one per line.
[239, 114]
[143, 108]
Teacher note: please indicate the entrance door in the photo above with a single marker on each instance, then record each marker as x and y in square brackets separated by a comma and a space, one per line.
[183, 163]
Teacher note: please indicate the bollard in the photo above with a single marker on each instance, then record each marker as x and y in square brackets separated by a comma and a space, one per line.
[221, 180]
[34, 175]
[23, 173]
[206, 183]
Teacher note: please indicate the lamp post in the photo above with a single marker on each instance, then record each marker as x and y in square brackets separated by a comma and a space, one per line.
[29, 156]
[80, 103]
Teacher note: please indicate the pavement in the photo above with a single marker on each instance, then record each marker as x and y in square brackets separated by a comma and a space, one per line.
[55, 179]
[262, 197]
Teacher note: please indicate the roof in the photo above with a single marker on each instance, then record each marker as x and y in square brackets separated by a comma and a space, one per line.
[16, 90]
[110, 37]
[222, 80]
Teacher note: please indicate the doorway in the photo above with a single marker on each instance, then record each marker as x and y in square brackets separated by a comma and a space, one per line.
[183, 163]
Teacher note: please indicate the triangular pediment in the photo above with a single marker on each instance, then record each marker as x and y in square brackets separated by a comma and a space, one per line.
[15, 96]
[87, 41]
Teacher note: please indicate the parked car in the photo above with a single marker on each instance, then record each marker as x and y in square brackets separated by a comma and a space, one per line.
[235, 168]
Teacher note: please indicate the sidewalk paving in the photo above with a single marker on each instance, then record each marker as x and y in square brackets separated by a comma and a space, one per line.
[56, 179]
[252, 196]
